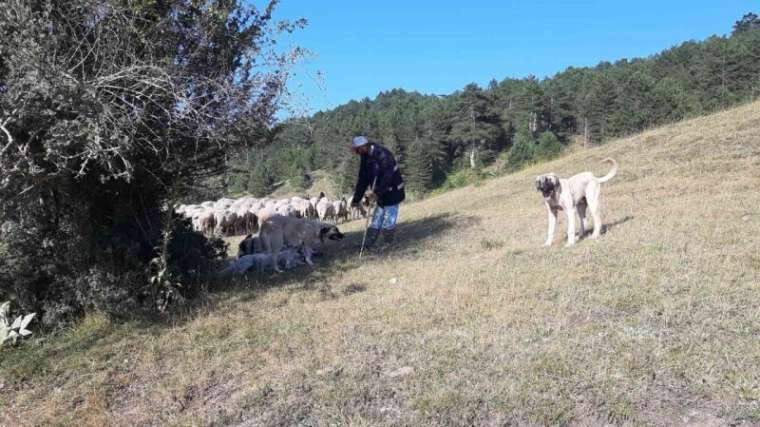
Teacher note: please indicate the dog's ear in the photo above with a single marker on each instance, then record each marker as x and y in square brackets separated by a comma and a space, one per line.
[323, 232]
[539, 182]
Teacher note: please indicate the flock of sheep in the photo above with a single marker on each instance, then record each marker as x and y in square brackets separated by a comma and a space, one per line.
[234, 217]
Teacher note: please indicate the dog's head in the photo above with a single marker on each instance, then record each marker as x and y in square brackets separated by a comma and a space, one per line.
[547, 184]
[330, 232]
[247, 246]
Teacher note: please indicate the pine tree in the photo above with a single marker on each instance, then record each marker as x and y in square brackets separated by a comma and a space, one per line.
[749, 22]
[346, 174]
[420, 167]
[531, 112]
[548, 146]
[523, 150]
[476, 132]
[261, 180]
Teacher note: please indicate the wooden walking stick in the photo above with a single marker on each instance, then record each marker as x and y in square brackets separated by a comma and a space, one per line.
[369, 218]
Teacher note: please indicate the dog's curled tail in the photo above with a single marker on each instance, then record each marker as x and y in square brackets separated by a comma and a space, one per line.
[611, 174]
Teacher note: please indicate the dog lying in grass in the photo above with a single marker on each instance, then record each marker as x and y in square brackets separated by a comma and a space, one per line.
[287, 258]
[576, 194]
[280, 231]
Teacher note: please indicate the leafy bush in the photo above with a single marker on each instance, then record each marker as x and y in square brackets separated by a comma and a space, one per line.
[115, 110]
[548, 146]
[182, 263]
[461, 178]
[523, 151]
[29, 266]
[102, 291]
[192, 258]
[35, 272]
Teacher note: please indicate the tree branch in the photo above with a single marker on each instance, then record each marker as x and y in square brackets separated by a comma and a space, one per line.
[7, 135]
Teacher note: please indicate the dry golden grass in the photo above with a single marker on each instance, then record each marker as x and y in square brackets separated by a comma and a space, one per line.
[471, 321]
[322, 182]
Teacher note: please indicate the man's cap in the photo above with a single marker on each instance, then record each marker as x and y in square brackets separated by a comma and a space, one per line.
[358, 141]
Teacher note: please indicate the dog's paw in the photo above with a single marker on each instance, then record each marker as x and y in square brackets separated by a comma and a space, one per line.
[547, 244]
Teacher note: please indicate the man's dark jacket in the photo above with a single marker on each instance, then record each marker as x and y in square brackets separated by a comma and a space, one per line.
[380, 164]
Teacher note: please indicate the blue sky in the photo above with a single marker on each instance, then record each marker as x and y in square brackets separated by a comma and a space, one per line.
[364, 47]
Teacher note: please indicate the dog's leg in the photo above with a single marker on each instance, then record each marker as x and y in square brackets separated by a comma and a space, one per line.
[275, 261]
[276, 244]
[570, 226]
[594, 206]
[552, 226]
[275, 258]
[592, 196]
[307, 254]
[287, 254]
[582, 215]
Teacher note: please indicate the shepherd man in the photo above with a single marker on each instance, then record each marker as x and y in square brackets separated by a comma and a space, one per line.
[378, 171]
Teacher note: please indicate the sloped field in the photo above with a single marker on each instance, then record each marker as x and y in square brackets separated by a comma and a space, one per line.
[470, 321]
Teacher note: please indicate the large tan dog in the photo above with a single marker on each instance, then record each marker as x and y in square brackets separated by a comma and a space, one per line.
[573, 195]
[278, 231]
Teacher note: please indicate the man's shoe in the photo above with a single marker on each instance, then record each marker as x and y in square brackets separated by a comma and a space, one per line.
[372, 234]
[389, 237]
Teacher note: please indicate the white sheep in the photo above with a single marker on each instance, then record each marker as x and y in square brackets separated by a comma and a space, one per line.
[207, 222]
[287, 210]
[325, 210]
[341, 209]
[223, 204]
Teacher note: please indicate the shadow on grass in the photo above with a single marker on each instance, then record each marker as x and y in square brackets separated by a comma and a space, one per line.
[607, 227]
[338, 258]
[35, 359]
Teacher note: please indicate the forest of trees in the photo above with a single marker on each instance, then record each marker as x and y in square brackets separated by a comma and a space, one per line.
[519, 120]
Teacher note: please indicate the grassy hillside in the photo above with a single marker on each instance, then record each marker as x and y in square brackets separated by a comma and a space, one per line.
[322, 182]
[471, 321]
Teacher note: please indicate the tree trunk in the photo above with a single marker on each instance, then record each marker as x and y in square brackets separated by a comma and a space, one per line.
[585, 132]
[473, 156]
[551, 113]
